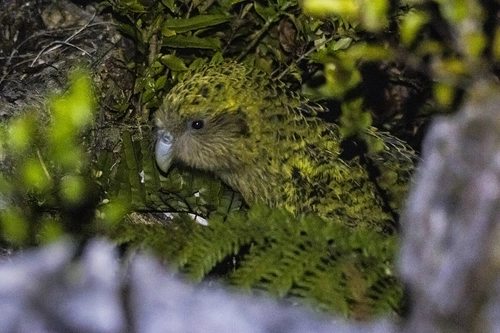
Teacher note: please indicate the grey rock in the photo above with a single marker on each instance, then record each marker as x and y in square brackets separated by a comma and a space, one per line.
[55, 290]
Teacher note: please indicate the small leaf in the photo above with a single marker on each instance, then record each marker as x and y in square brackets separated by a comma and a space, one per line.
[72, 188]
[21, 133]
[113, 212]
[451, 66]
[197, 64]
[14, 226]
[342, 43]
[160, 82]
[173, 62]
[167, 32]
[170, 4]
[323, 8]
[267, 13]
[148, 95]
[179, 41]
[35, 176]
[474, 42]
[455, 10]
[217, 57]
[444, 94]
[411, 25]
[194, 23]
[374, 14]
[51, 231]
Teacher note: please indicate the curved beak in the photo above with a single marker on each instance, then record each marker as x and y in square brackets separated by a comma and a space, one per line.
[163, 150]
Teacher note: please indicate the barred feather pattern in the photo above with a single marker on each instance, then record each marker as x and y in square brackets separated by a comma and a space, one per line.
[269, 144]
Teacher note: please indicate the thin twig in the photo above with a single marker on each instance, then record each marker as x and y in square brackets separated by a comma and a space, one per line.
[44, 167]
[65, 42]
[261, 32]
[299, 59]
[57, 45]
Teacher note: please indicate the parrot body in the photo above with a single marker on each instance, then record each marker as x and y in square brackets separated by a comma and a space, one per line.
[269, 144]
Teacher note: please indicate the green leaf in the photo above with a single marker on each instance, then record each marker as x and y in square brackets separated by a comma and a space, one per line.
[21, 133]
[374, 14]
[454, 10]
[160, 82]
[35, 175]
[72, 188]
[192, 42]
[411, 25]
[51, 231]
[475, 43]
[323, 8]
[14, 226]
[342, 43]
[170, 4]
[173, 62]
[267, 13]
[128, 6]
[194, 23]
[444, 93]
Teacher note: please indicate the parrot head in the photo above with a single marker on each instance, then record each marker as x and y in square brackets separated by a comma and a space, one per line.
[204, 122]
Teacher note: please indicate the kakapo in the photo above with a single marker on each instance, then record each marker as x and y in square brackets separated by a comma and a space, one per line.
[270, 145]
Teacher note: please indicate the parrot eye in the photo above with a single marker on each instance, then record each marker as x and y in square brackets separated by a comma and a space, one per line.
[197, 124]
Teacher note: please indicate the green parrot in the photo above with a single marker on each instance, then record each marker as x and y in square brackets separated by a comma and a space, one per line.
[270, 145]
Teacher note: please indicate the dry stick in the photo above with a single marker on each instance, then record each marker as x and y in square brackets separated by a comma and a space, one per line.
[38, 34]
[65, 42]
[11, 69]
[56, 45]
[44, 167]
[299, 59]
[242, 14]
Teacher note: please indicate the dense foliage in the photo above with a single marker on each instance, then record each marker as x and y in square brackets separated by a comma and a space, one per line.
[388, 64]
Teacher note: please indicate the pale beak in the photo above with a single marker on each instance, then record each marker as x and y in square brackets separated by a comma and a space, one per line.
[163, 150]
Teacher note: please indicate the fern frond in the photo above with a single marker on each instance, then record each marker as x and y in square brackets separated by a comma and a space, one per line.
[303, 258]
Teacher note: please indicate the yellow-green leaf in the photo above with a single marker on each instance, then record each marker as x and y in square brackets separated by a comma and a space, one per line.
[411, 25]
[194, 23]
[14, 226]
[324, 8]
[374, 14]
[179, 41]
[173, 62]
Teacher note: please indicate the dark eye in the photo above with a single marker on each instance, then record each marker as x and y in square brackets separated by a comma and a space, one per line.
[197, 124]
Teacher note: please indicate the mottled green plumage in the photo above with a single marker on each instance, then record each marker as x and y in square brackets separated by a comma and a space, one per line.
[268, 144]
